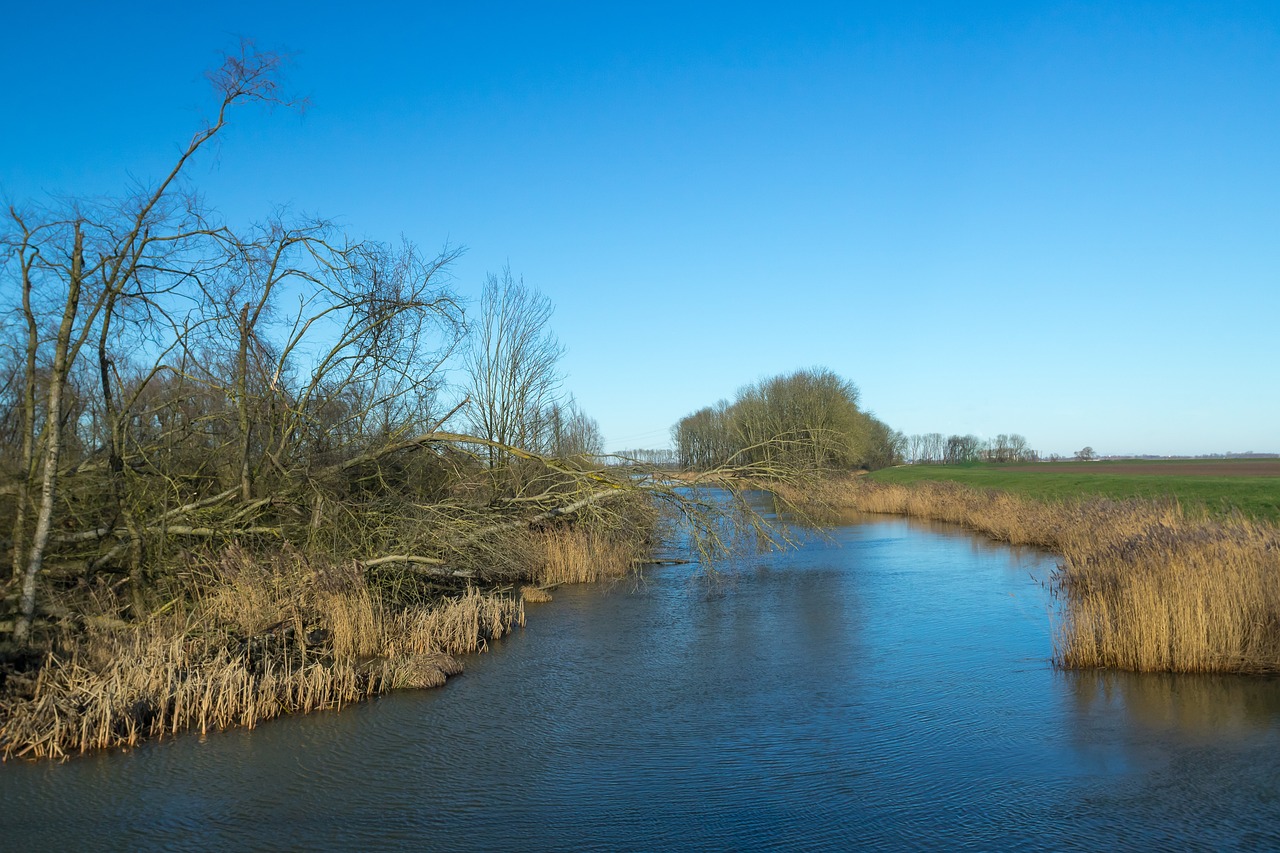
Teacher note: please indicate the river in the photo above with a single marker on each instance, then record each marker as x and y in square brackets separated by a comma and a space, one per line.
[889, 686]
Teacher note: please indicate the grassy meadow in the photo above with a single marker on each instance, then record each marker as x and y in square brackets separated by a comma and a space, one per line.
[1250, 486]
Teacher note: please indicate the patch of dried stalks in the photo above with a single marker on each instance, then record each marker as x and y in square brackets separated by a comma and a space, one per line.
[257, 638]
[248, 637]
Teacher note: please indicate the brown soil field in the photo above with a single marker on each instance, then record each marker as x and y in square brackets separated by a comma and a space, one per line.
[1172, 468]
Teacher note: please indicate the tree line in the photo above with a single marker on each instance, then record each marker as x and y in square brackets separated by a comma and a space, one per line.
[934, 447]
[812, 418]
[806, 419]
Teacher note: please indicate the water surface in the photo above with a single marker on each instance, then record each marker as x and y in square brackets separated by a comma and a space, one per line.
[889, 687]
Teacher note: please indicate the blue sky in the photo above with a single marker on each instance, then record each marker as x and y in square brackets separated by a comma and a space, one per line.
[1055, 219]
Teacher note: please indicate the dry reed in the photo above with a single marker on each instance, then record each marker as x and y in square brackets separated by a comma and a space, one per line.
[577, 556]
[1145, 586]
[260, 639]
[250, 637]
[534, 595]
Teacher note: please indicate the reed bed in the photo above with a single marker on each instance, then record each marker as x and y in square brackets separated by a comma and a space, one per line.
[462, 625]
[252, 636]
[581, 556]
[258, 637]
[1144, 585]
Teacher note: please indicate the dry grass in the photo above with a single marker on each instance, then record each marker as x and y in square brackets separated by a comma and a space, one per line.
[534, 595]
[1145, 586]
[416, 671]
[247, 637]
[574, 555]
[578, 556]
[460, 625]
[257, 639]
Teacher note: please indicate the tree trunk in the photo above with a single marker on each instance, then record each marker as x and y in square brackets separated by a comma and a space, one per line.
[27, 460]
[115, 448]
[242, 395]
[52, 442]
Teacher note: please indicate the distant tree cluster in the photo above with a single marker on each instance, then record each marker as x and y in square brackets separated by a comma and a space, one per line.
[936, 448]
[809, 418]
[661, 458]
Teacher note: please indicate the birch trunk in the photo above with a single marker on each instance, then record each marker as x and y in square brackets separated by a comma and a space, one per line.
[52, 443]
[28, 457]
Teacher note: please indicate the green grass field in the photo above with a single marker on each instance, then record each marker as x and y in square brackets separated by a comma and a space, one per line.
[1251, 486]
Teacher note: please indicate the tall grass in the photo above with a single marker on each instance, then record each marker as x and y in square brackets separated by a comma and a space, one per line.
[251, 636]
[259, 637]
[583, 556]
[1145, 585]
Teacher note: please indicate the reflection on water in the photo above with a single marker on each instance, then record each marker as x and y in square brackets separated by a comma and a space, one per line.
[1204, 708]
[889, 686]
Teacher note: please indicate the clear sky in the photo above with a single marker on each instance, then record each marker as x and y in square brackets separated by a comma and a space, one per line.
[1057, 219]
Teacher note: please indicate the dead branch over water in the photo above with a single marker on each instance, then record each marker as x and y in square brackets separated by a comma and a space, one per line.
[1145, 586]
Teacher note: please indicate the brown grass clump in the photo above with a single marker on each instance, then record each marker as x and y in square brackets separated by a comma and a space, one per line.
[457, 626]
[534, 595]
[578, 556]
[1145, 586]
[416, 672]
[255, 638]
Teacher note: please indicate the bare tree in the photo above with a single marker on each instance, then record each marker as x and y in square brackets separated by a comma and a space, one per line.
[932, 447]
[1020, 450]
[572, 433]
[512, 366]
[915, 448]
[962, 448]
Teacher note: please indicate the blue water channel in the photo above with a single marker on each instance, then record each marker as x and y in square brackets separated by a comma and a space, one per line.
[888, 687]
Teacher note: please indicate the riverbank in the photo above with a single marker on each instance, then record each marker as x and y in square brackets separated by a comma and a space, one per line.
[1145, 585]
[252, 635]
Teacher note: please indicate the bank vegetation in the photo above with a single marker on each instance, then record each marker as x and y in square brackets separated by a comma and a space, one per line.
[1144, 585]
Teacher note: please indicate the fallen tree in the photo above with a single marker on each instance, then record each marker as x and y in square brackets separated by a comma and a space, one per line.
[193, 414]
